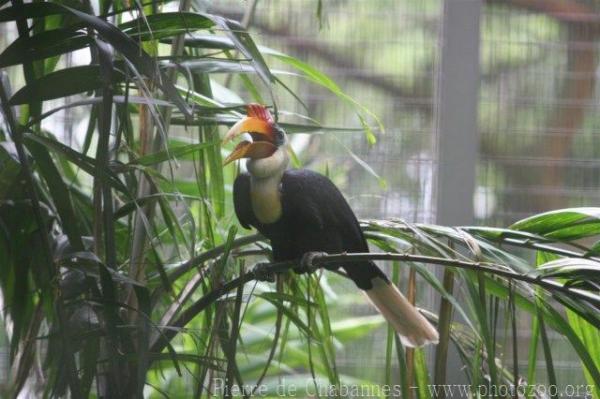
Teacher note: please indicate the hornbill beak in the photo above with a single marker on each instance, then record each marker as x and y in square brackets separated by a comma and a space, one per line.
[260, 125]
[248, 149]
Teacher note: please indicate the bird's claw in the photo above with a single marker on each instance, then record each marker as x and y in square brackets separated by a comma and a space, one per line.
[307, 262]
[262, 273]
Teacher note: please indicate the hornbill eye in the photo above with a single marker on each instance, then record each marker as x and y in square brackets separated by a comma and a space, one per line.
[279, 135]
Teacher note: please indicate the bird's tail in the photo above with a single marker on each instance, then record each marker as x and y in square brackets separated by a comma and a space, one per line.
[413, 328]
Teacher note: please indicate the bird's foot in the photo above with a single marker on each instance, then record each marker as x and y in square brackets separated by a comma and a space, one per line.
[307, 262]
[261, 272]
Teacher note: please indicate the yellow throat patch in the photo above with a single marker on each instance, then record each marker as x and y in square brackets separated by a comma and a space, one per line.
[266, 199]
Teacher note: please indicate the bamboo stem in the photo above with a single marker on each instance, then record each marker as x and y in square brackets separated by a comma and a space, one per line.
[445, 321]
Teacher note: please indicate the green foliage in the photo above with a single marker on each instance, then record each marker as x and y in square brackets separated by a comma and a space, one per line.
[121, 269]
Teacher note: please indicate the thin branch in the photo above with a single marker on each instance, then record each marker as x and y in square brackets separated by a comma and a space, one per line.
[184, 267]
[320, 261]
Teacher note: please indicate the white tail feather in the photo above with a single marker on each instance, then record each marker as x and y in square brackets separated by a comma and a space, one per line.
[413, 328]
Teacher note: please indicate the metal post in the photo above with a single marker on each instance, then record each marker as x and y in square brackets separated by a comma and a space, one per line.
[458, 96]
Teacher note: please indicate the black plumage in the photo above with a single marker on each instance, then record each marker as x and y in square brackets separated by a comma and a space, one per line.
[315, 218]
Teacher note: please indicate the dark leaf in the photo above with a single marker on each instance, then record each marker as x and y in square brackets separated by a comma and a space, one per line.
[209, 42]
[159, 26]
[60, 193]
[30, 10]
[86, 163]
[10, 168]
[43, 45]
[61, 84]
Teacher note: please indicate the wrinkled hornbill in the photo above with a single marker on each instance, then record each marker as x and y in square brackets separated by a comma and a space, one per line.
[303, 213]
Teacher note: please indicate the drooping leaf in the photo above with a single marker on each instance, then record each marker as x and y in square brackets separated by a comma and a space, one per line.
[159, 26]
[209, 42]
[571, 268]
[563, 224]
[30, 10]
[59, 84]
[43, 45]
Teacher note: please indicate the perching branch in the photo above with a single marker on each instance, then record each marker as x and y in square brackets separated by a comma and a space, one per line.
[338, 259]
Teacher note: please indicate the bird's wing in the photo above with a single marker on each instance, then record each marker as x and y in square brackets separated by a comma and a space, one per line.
[241, 200]
[313, 200]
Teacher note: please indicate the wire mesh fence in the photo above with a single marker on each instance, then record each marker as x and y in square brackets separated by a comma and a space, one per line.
[537, 114]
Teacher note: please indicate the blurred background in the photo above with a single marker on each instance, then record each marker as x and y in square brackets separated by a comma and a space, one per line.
[489, 109]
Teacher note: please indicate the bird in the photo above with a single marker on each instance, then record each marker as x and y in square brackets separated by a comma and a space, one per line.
[304, 214]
